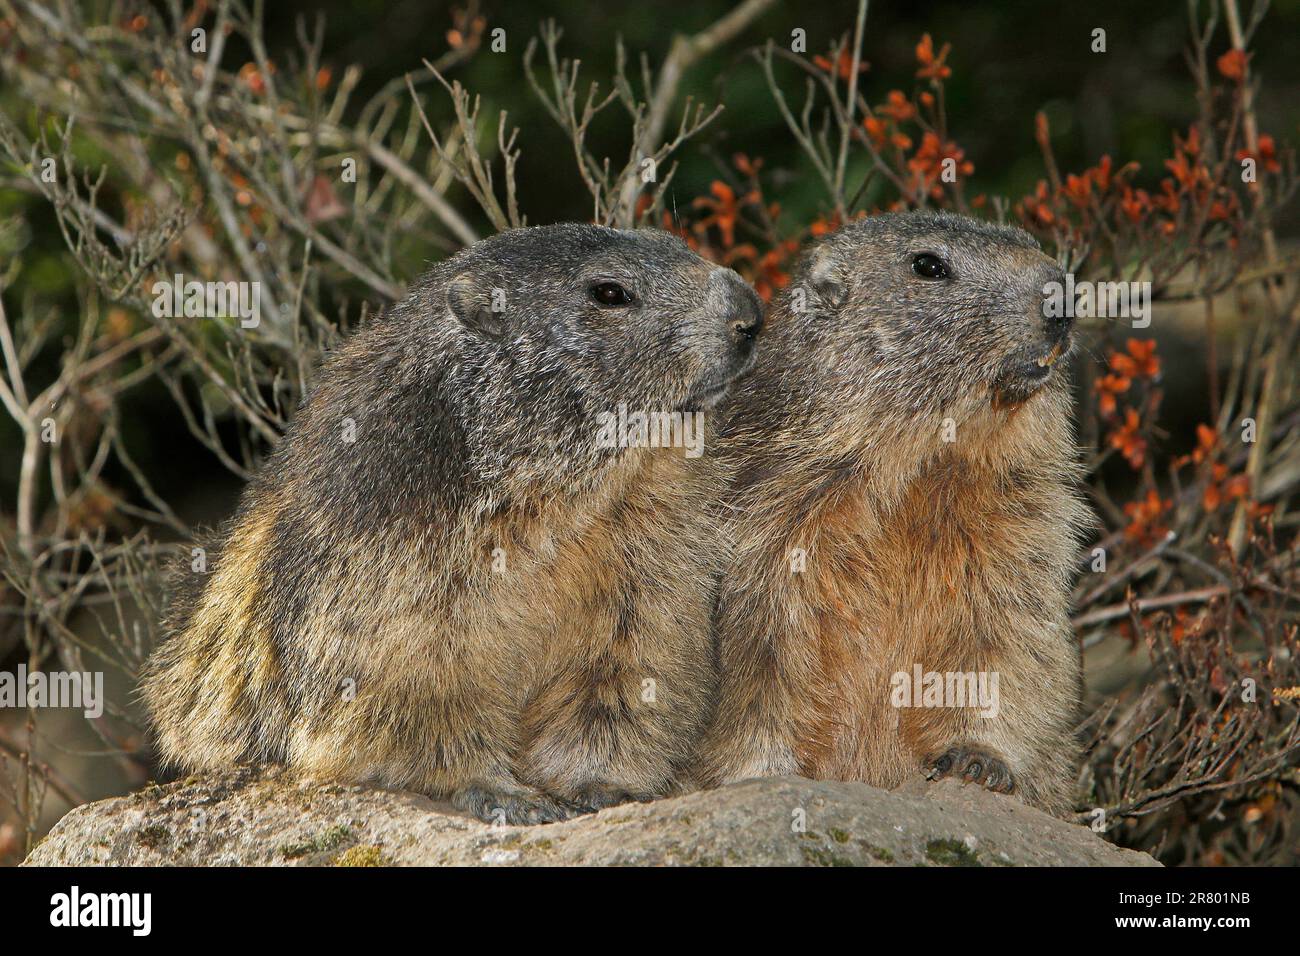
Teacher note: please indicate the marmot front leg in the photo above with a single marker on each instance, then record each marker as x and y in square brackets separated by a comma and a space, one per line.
[754, 730]
[750, 736]
[1020, 741]
[608, 734]
[489, 788]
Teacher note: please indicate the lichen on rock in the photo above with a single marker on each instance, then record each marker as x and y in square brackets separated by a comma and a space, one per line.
[269, 818]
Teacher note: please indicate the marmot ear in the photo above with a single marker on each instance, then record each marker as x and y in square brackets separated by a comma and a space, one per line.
[480, 309]
[824, 278]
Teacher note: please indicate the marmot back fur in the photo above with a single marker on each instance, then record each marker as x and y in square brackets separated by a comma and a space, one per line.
[442, 581]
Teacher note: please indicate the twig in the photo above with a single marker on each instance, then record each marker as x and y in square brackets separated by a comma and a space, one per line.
[1141, 605]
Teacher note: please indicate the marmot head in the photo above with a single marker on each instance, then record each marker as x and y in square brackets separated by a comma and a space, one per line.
[535, 337]
[617, 316]
[935, 309]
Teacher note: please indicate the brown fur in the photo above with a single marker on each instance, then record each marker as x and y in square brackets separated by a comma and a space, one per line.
[357, 624]
[954, 555]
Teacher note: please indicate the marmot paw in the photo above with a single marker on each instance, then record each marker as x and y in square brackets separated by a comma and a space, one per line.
[971, 765]
[513, 807]
[593, 797]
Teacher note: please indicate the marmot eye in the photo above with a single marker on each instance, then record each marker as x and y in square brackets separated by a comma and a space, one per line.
[930, 267]
[611, 293]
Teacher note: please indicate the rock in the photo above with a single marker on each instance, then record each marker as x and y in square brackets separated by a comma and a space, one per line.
[265, 818]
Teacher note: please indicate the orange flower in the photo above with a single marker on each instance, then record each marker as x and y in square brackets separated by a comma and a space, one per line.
[746, 166]
[725, 208]
[1182, 618]
[1221, 488]
[1135, 204]
[1144, 518]
[824, 227]
[1042, 129]
[1238, 486]
[1100, 173]
[1037, 208]
[1211, 498]
[1183, 171]
[927, 164]
[1108, 387]
[898, 107]
[932, 67]
[1124, 366]
[1146, 363]
[1127, 440]
[1257, 511]
[1222, 209]
[1206, 441]
[1179, 630]
[741, 253]
[876, 130]
[466, 31]
[253, 78]
[771, 273]
[1268, 153]
[843, 66]
[1189, 172]
[1267, 157]
[1078, 189]
[1233, 65]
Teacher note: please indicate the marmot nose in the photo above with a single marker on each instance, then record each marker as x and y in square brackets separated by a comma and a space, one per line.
[739, 305]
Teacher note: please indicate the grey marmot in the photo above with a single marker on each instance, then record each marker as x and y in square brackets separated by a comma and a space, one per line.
[442, 580]
[902, 517]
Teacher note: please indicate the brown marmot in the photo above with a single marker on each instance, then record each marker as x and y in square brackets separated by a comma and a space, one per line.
[902, 521]
[444, 580]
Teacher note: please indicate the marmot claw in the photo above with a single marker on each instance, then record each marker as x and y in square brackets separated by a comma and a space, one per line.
[593, 797]
[971, 765]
